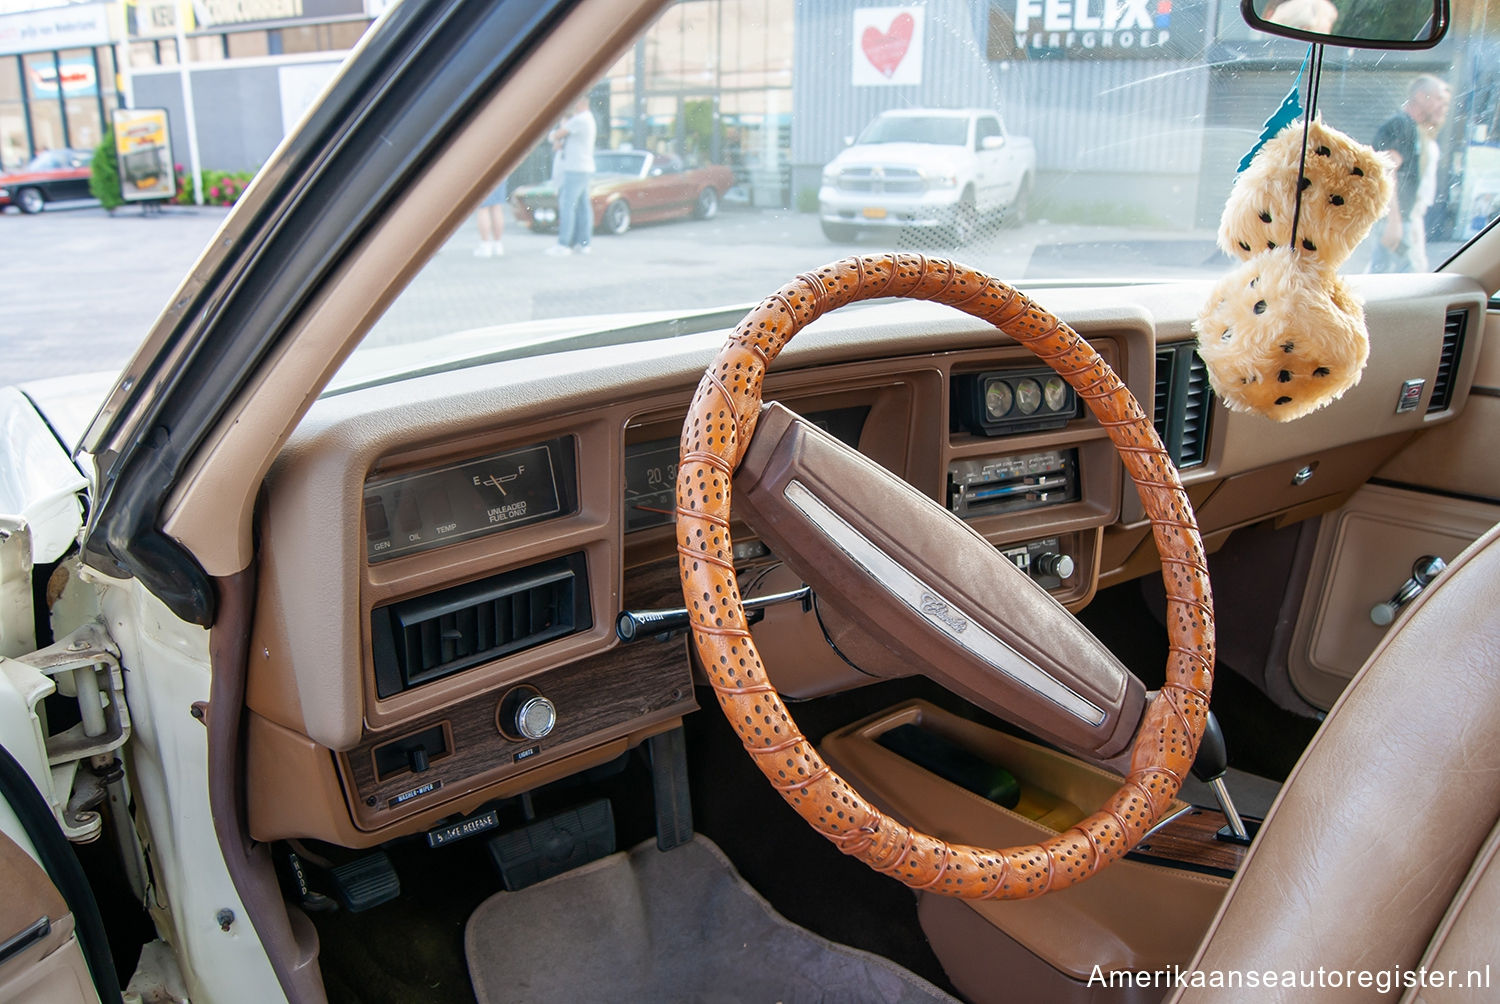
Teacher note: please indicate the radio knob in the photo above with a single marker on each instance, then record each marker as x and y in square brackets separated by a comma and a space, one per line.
[1060, 565]
[535, 717]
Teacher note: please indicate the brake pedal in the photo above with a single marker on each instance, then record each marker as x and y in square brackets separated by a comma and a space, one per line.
[554, 845]
[365, 882]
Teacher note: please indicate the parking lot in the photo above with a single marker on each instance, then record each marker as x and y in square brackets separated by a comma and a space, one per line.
[82, 287]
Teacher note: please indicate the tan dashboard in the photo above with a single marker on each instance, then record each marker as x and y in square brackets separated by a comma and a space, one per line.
[443, 559]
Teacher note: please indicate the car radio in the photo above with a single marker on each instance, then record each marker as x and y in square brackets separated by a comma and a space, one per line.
[992, 485]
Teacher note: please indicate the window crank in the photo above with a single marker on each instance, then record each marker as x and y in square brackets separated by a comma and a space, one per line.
[1423, 571]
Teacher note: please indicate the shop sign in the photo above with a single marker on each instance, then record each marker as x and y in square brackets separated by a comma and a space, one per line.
[74, 78]
[888, 46]
[76, 26]
[210, 13]
[157, 18]
[143, 151]
[1094, 29]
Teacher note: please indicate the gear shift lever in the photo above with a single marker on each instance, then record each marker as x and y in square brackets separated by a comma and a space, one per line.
[1209, 767]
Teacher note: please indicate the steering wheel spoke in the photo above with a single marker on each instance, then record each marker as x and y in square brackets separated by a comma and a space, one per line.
[918, 579]
[914, 589]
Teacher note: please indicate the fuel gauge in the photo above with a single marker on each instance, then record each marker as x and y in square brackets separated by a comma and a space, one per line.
[1055, 392]
[1028, 396]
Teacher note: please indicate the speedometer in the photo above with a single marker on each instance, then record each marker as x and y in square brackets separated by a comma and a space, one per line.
[650, 483]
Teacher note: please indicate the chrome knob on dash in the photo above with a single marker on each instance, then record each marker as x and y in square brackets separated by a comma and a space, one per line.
[535, 717]
[1060, 565]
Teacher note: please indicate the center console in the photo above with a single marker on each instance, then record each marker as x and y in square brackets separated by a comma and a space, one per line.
[1145, 912]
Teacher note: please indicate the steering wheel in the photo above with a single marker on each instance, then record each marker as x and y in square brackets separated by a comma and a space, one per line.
[717, 434]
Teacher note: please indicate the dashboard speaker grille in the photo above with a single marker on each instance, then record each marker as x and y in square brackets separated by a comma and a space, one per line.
[1454, 327]
[428, 637]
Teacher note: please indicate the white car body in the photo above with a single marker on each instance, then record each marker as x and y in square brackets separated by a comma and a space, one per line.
[878, 183]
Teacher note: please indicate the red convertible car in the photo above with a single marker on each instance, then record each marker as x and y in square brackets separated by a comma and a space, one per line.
[52, 176]
[632, 186]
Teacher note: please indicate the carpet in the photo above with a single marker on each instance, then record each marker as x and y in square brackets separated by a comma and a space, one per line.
[680, 925]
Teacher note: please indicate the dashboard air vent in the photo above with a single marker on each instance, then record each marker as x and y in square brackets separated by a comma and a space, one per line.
[1163, 398]
[1197, 403]
[1183, 403]
[1453, 346]
[429, 637]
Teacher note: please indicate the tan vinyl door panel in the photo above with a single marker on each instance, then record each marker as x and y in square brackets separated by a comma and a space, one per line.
[44, 963]
[1435, 495]
[1363, 555]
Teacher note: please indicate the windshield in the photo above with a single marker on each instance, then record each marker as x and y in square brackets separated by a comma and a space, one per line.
[906, 129]
[1122, 142]
[618, 162]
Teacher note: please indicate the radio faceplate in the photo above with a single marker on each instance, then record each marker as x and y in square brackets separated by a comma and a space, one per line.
[991, 485]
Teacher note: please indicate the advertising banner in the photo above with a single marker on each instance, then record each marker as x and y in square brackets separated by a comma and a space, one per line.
[888, 46]
[1095, 29]
[143, 150]
[72, 77]
[74, 26]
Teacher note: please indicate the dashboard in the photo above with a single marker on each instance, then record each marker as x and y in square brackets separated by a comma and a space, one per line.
[443, 559]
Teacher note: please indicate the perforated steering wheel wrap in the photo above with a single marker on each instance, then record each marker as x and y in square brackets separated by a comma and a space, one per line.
[715, 435]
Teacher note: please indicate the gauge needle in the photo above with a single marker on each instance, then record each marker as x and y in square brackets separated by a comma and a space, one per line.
[497, 482]
[652, 508]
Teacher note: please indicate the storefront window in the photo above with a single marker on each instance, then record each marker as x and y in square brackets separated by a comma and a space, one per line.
[344, 35]
[14, 149]
[47, 131]
[207, 48]
[711, 81]
[79, 84]
[248, 44]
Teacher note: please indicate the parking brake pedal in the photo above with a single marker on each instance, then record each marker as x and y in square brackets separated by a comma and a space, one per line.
[554, 845]
[365, 882]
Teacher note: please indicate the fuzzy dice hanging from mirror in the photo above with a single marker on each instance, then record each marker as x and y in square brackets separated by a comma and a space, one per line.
[1282, 334]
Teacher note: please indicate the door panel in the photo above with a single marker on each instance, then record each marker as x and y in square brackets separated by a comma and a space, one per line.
[1364, 553]
[1435, 496]
[40, 959]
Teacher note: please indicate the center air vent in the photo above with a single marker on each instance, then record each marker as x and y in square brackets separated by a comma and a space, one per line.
[1453, 346]
[429, 637]
[1183, 403]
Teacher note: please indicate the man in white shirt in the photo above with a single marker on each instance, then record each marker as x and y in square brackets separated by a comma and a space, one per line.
[574, 140]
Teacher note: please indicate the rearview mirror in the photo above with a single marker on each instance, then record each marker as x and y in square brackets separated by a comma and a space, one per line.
[1359, 24]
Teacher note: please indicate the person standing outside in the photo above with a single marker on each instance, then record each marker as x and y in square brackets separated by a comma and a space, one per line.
[491, 220]
[575, 213]
[1409, 139]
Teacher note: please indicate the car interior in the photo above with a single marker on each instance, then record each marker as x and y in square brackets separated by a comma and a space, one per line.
[474, 656]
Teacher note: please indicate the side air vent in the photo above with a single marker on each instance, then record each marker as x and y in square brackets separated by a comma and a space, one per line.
[428, 637]
[1183, 404]
[1453, 347]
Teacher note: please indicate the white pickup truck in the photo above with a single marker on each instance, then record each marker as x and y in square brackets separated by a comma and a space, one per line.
[937, 168]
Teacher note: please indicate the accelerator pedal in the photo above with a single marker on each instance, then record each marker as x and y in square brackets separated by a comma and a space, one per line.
[554, 845]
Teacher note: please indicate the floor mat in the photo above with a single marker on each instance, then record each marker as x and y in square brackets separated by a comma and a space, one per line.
[679, 925]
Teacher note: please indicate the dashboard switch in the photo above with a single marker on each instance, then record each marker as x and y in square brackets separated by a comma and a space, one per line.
[525, 715]
[535, 717]
[1060, 565]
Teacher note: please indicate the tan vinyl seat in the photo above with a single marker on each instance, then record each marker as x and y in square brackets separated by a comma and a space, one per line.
[1377, 856]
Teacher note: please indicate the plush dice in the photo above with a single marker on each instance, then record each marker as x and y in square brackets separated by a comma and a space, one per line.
[1282, 335]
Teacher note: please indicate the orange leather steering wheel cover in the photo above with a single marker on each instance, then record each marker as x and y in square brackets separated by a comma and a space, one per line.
[717, 431]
